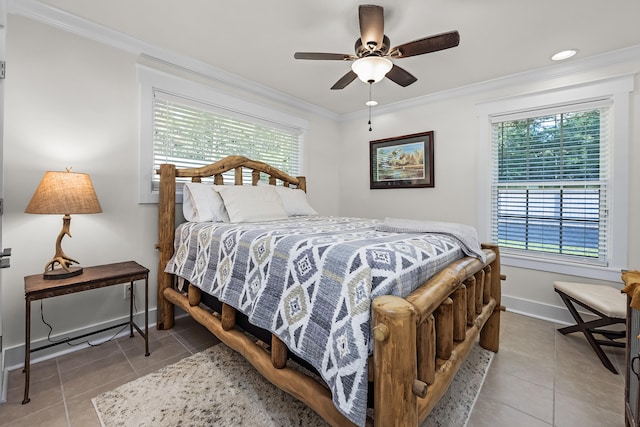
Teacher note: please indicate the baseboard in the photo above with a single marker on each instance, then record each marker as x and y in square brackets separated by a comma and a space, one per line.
[4, 378]
[4, 384]
[540, 310]
[14, 356]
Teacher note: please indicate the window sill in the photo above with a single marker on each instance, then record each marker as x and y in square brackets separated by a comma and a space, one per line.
[562, 267]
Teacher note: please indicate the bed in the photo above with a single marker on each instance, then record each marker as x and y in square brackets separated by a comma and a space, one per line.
[383, 345]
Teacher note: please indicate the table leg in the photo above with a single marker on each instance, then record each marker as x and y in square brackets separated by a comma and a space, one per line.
[27, 350]
[131, 310]
[146, 315]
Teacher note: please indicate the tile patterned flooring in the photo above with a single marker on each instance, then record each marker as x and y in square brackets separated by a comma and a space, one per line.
[538, 378]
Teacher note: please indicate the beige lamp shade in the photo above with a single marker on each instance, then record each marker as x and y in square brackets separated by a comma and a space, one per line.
[64, 193]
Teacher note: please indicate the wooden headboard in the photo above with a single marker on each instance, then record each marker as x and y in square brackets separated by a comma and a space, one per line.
[167, 210]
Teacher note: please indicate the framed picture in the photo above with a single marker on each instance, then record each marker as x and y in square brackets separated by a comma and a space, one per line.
[402, 162]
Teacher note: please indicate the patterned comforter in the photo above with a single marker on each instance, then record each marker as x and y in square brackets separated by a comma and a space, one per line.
[310, 281]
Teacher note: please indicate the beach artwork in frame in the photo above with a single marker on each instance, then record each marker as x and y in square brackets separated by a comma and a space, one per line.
[402, 162]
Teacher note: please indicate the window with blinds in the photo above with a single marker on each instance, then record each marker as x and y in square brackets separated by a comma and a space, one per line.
[549, 182]
[191, 133]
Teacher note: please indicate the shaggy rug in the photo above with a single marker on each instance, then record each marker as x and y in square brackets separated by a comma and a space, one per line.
[236, 395]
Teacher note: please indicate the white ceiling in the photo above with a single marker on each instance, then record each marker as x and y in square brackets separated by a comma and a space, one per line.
[256, 40]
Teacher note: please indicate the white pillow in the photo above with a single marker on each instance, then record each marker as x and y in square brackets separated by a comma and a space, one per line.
[201, 202]
[248, 203]
[294, 201]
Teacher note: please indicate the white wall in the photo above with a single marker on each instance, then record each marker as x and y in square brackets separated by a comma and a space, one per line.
[454, 195]
[454, 120]
[73, 102]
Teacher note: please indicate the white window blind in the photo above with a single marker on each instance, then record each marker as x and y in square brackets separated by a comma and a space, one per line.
[550, 180]
[190, 133]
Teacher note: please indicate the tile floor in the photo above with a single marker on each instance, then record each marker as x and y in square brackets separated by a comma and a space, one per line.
[542, 378]
[538, 378]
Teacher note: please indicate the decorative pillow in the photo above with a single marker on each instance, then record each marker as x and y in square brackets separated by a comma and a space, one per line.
[294, 201]
[248, 203]
[201, 202]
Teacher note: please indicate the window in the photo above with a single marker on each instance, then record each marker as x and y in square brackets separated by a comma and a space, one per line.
[190, 134]
[550, 183]
[192, 125]
[555, 193]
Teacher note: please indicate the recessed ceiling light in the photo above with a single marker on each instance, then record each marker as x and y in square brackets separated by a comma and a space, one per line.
[565, 54]
[371, 103]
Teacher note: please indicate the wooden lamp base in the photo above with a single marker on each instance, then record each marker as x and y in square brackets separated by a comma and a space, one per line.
[65, 261]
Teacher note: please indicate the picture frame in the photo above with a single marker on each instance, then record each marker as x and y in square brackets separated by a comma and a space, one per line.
[402, 162]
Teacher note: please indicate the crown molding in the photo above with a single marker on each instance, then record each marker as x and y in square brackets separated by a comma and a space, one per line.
[49, 15]
[540, 74]
[57, 18]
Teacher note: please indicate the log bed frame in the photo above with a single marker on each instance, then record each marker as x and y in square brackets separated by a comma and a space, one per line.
[419, 342]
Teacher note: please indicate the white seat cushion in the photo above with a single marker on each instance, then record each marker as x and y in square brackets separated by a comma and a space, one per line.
[605, 299]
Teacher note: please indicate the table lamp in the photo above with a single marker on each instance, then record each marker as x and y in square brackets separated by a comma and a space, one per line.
[63, 193]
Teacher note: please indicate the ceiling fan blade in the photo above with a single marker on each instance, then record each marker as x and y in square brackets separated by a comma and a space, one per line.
[401, 76]
[324, 56]
[344, 80]
[427, 45]
[371, 25]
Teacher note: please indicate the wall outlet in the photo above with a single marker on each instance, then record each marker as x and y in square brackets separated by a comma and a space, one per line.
[127, 291]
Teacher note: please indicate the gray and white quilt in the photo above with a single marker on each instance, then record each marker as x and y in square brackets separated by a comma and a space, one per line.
[310, 281]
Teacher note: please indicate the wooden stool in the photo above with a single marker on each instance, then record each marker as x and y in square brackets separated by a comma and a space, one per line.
[606, 302]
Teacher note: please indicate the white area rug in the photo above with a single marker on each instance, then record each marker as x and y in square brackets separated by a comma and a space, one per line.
[218, 387]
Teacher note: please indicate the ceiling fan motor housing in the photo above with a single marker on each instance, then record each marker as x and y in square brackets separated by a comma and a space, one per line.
[372, 48]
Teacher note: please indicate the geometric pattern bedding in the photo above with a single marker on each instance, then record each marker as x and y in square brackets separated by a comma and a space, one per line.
[310, 281]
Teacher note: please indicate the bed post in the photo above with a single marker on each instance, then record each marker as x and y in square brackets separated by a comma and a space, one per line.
[490, 334]
[394, 359]
[166, 233]
[302, 183]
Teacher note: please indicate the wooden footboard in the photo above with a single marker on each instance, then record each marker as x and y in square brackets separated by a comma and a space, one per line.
[419, 342]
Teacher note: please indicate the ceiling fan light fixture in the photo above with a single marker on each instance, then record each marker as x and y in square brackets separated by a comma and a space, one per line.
[371, 103]
[371, 69]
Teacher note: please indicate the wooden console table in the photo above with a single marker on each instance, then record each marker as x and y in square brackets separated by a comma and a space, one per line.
[36, 287]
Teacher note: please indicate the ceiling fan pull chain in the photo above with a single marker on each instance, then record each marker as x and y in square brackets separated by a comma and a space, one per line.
[369, 104]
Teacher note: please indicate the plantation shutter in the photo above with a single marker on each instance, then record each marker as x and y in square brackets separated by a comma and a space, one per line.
[550, 179]
[190, 133]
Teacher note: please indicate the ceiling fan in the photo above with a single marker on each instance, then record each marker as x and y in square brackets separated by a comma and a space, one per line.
[372, 58]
